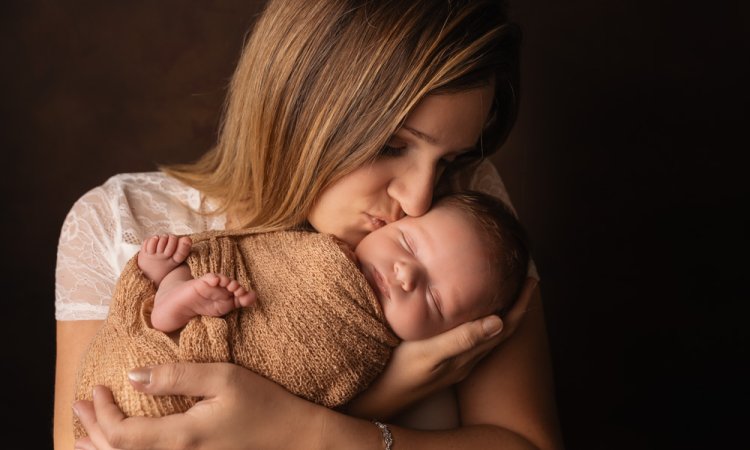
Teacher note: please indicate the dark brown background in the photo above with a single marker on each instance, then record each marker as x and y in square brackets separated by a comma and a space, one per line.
[626, 166]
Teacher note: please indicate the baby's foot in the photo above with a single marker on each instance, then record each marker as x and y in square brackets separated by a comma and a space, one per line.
[219, 294]
[210, 295]
[159, 255]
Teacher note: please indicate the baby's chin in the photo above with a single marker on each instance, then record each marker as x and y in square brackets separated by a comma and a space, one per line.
[373, 285]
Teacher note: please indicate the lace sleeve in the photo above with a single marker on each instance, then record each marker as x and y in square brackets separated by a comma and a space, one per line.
[485, 178]
[85, 274]
[105, 228]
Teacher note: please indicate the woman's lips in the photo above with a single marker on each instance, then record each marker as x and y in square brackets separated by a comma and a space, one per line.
[380, 282]
[377, 222]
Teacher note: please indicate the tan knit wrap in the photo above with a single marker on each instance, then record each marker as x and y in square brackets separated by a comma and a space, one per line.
[317, 328]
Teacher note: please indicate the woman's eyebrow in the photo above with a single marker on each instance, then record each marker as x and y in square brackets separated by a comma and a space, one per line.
[420, 135]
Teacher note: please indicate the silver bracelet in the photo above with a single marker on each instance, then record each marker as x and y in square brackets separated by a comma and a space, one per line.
[387, 436]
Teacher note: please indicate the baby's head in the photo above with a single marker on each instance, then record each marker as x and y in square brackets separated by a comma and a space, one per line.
[464, 259]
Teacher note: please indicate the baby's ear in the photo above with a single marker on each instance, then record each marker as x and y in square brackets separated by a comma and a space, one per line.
[500, 304]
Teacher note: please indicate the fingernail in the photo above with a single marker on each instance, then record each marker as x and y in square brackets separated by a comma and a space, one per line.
[141, 375]
[75, 411]
[492, 326]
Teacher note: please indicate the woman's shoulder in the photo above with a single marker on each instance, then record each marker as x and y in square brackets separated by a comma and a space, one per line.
[151, 199]
[105, 228]
[484, 177]
[129, 207]
[149, 186]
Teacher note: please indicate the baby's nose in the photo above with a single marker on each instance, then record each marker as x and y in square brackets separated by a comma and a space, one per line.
[406, 275]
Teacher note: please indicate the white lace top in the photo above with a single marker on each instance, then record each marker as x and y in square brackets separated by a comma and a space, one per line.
[106, 226]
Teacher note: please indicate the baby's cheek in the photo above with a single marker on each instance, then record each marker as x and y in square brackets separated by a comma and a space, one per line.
[427, 325]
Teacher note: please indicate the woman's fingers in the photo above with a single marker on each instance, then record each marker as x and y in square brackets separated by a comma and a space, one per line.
[104, 404]
[459, 349]
[85, 444]
[464, 337]
[446, 358]
[483, 334]
[418, 368]
[191, 379]
[109, 417]
[109, 429]
[493, 336]
[236, 407]
[95, 440]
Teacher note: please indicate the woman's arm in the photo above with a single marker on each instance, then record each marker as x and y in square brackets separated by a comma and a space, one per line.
[243, 410]
[512, 388]
[84, 279]
[73, 337]
[507, 401]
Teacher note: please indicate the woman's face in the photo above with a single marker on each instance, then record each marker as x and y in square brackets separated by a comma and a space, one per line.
[401, 181]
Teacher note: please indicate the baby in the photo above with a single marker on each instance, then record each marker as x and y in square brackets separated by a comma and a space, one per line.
[465, 259]
[326, 318]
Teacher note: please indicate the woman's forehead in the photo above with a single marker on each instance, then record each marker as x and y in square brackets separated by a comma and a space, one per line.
[452, 120]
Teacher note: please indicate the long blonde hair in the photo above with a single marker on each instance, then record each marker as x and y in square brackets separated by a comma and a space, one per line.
[321, 86]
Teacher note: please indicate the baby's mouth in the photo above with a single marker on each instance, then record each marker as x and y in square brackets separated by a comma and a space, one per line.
[380, 282]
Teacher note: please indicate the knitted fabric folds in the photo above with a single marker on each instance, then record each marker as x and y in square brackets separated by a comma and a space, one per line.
[317, 328]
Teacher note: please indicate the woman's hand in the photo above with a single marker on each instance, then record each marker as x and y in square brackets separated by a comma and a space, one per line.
[239, 409]
[419, 368]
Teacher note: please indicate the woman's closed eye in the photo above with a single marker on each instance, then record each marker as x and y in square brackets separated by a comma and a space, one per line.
[392, 150]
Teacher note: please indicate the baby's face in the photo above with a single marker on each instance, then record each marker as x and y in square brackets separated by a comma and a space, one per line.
[430, 273]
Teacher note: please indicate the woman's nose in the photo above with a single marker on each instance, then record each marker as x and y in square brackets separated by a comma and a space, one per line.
[413, 190]
[406, 275]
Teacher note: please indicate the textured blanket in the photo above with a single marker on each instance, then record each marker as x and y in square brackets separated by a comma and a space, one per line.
[317, 328]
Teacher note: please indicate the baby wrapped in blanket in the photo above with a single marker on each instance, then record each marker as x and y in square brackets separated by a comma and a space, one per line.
[323, 326]
[317, 330]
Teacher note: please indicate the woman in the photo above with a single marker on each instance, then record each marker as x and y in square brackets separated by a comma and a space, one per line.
[342, 116]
